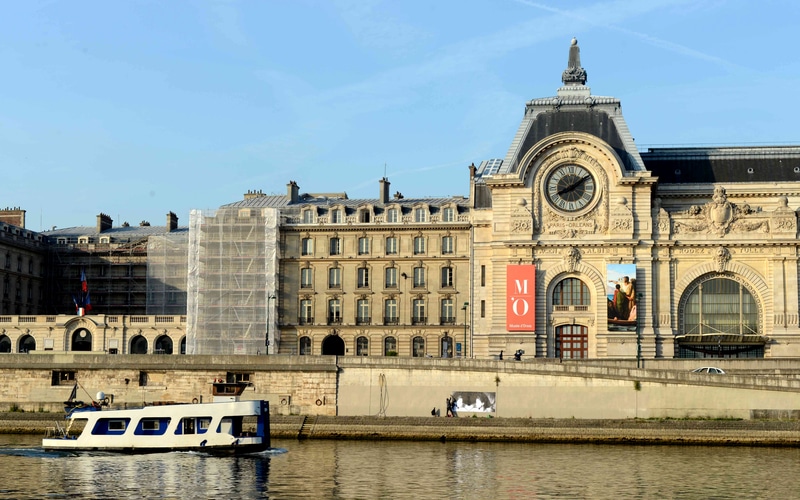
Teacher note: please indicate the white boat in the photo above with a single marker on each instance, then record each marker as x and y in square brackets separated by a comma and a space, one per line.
[217, 427]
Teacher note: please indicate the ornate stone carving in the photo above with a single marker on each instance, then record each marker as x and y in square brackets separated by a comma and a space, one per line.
[721, 258]
[572, 258]
[720, 217]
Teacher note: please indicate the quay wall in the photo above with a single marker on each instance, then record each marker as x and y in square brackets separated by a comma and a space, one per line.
[349, 386]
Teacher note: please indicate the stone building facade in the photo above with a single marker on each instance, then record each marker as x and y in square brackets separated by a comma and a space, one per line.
[575, 244]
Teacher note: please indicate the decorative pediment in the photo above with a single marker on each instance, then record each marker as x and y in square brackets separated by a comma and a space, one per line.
[720, 217]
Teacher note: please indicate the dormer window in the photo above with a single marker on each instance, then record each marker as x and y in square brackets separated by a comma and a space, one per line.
[391, 215]
[105, 239]
[364, 215]
[448, 214]
[84, 240]
[308, 216]
[336, 216]
[420, 214]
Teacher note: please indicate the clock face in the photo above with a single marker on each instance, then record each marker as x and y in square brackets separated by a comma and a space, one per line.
[570, 188]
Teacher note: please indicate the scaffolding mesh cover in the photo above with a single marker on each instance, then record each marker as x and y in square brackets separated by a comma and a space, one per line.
[233, 254]
[166, 274]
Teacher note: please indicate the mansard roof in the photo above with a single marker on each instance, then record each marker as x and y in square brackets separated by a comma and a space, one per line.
[724, 164]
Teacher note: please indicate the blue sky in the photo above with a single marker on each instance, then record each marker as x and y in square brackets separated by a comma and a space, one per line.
[142, 107]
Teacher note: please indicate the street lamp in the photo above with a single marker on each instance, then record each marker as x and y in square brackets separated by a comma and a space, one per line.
[638, 332]
[270, 298]
[464, 353]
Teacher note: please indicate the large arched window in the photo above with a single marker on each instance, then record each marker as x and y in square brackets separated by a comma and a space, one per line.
[571, 292]
[138, 345]
[27, 344]
[719, 319]
[82, 340]
[720, 306]
[5, 343]
[163, 345]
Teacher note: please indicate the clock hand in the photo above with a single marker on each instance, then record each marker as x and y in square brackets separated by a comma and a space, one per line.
[573, 185]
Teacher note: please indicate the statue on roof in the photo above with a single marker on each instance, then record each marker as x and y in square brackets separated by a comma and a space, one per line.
[574, 74]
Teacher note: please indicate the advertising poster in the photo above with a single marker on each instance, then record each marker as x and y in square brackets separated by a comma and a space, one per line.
[521, 298]
[621, 297]
[472, 402]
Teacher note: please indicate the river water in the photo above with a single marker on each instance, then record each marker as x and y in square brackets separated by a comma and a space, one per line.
[322, 469]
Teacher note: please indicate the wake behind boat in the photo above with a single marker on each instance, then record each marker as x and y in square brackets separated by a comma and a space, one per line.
[224, 426]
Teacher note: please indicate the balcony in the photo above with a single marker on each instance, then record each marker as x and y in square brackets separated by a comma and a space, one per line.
[391, 320]
[363, 321]
[334, 320]
[447, 320]
[305, 320]
[419, 320]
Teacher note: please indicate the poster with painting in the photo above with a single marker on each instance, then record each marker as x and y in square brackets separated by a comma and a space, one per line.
[621, 297]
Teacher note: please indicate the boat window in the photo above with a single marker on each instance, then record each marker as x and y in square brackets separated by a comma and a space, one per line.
[203, 424]
[186, 427]
[152, 426]
[110, 426]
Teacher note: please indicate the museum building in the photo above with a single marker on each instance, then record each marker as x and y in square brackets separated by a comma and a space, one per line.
[574, 245]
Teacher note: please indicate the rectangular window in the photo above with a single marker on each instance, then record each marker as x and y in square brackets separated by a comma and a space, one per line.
[483, 309]
[448, 214]
[420, 214]
[418, 312]
[334, 277]
[447, 312]
[306, 277]
[364, 216]
[362, 312]
[363, 277]
[483, 275]
[363, 246]
[391, 215]
[419, 245]
[447, 277]
[336, 246]
[307, 246]
[419, 277]
[391, 245]
[306, 318]
[334, 311]
[336, 217]
[308, 216]
[62, 377]
[447, 245]
[390, 312]
[391, 277]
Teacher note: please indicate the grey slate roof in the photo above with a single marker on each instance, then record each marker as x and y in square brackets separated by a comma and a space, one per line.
[118, 233]
[724, 164]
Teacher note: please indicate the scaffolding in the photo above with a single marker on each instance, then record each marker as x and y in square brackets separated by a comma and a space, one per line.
[231, 283]
[166, 273]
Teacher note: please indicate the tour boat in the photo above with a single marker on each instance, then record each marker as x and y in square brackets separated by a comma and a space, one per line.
[224, 426]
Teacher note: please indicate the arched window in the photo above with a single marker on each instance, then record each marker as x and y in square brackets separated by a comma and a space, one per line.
[163, 345]
[418, 347]
[183, 345]
[722, 306]
[138, 345]
[362, 346]
[27, 344]
[5, 344]
[82, 340]
[571, 292]
[390, 346]
[305, 346]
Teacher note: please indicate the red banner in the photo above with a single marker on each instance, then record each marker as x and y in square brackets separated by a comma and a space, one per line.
[521, 298]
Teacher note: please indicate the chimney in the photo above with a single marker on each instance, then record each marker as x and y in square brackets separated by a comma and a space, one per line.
[14, 216]
[293, 192]
[104, 222]
[249, 195]
[172, 222]
[383, 193]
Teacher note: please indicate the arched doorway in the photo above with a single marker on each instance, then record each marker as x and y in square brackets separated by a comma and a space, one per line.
[5, 344]
[183, 345]
[27, 344]
[446, 346]
[138, 345]
[81, 340]
[164, 345]
[333, 345]
[305, 346]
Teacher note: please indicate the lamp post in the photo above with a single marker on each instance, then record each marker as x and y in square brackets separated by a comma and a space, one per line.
[638, 333]
[464, 307]
[270, 298]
